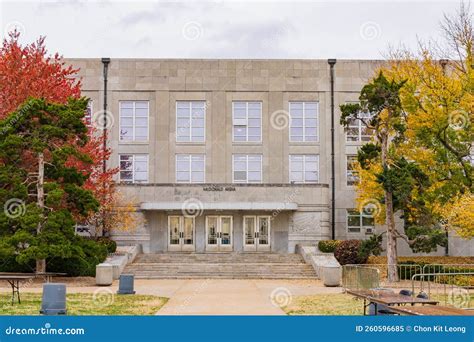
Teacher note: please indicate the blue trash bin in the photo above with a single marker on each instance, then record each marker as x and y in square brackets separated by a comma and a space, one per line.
[126, 284]
[54, 299]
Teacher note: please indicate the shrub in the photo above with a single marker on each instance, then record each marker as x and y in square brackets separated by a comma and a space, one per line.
[9, 264]
[328, 246]
[349, 252]
[371, 246]
[110, 244]
[90, 253]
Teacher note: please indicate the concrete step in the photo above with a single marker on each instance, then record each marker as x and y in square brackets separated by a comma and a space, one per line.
[217, 276]
[220, 266]
[218, 258]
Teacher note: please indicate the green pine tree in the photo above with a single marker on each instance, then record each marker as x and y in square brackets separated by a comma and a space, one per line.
[41, 193]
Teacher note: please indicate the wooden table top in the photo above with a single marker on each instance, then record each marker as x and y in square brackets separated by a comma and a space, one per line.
[389, 297]
[431, 310]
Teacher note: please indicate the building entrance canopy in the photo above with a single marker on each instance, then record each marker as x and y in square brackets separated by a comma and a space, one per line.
[280, 206]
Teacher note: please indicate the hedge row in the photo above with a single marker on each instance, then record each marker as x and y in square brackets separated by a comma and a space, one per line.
[352, 251]
[93, 252]
[328, 246]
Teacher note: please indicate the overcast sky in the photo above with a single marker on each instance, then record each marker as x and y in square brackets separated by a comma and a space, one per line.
[225, 29]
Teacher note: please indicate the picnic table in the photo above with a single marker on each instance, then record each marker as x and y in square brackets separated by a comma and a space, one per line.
[14, 280]
[49, 275]
[388, 298]
[432, 310]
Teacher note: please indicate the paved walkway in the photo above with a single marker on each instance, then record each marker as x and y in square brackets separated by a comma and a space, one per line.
[214, 296]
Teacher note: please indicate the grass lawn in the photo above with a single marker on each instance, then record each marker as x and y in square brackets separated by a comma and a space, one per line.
[104, 303]
[325, 304]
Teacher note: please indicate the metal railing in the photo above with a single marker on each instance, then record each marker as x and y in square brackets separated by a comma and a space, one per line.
[360, 277]
[449, 283]
[452, 288]
[404, 271]
[447, 268]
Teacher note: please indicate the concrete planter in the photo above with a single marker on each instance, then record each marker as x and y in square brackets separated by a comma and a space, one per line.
[104, 274]
[325, 265]
[331, 275]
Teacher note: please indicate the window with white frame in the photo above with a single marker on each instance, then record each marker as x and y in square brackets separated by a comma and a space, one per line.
[88, 114]
[470, 158]
[133, 168]
[304, 117]
[134, 120]
[247, 121]
[352, 176]
[190, 121]
[356, 130]
[304, 168]
[247, 168]
[358, 221]
[190, 168]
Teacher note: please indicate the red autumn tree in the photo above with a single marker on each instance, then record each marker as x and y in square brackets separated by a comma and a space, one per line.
[29, 71]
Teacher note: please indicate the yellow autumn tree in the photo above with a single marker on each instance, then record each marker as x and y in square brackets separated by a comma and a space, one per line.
[425, 171]
[439, 104]
[118, 214]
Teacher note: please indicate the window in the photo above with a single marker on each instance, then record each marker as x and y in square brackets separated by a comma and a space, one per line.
[357, 131]
[470, 158]
[133, 168]
[304, 121]
[247, 121]
[88, 114]
[133, 120]
[352, 175]
[304, 168]
[190, 121]
[247, 168]
[190, 168]
[357, 220]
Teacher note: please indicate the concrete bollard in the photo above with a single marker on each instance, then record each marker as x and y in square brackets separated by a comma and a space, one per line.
[104, 274]
[126, 284]
[331, 275]
[54, 299]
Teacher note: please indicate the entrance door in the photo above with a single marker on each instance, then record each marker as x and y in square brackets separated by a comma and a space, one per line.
[219, 233]
[180, 233]
[256, 233]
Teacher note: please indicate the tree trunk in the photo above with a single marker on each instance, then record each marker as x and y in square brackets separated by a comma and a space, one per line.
[391, 239]
[390, 221]
[40, 263]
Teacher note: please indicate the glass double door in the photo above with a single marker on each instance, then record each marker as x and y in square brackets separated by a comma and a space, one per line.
[180, 233]
[218, 233]
[256, 233]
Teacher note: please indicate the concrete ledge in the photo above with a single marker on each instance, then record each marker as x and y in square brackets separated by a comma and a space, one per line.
[104, 274]
[121, 258]
[326, 266]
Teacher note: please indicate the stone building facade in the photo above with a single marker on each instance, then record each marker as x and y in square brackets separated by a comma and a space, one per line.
[233, 155]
